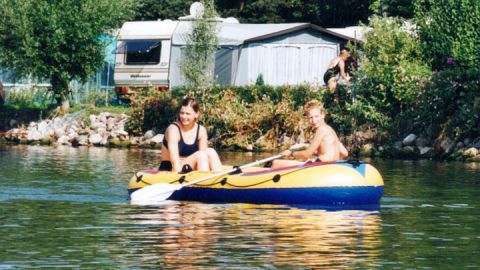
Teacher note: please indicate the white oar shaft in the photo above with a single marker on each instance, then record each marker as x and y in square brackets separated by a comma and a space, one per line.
[162, 191]
[231, 170]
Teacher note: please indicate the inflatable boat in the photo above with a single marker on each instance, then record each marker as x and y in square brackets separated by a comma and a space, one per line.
[342, 182]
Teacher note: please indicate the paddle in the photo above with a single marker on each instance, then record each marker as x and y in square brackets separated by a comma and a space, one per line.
[162, 191]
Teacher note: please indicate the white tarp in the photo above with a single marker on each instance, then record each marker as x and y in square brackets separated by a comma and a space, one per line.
[147, 30]
[283, 54]
[232, 33]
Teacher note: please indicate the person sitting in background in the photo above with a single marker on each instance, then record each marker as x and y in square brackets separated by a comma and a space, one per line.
[336, 67]
[324, 144]
[186, 143]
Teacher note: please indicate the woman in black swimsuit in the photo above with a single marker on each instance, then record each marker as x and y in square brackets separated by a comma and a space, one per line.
[336, 66]
[185, 143]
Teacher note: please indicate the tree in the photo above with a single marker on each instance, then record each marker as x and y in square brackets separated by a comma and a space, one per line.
[58, 40]
[200, 51]
[393, 8]
[449, 31]
[326, 13]
[162, 9]
[391, 73]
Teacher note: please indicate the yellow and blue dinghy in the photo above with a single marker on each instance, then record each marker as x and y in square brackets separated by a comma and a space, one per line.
[323, 183]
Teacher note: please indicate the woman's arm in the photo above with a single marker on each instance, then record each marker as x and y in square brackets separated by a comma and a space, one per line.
[202, 138]
[173, 137]
[343, 74]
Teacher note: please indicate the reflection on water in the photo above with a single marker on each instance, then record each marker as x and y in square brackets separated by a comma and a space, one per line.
[63, 207]
[193, 236]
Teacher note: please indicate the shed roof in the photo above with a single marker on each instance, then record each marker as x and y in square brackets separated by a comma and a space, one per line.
[237, 34]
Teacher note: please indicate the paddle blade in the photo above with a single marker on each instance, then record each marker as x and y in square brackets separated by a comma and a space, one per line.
[153, 193]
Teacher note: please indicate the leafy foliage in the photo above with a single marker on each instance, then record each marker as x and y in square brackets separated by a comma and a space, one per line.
[449, 106]
[152, 110]
[393, 8]
[32, 98]
[162, 9]
[57, 40]
[326, 13]
[200, 51]
[390, 75]
[449, 31]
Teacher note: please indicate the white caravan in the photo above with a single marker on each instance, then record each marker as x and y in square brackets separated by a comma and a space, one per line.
[143, 55]
[149, 53]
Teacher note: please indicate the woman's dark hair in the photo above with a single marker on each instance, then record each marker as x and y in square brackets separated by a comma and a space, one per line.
[189, 101]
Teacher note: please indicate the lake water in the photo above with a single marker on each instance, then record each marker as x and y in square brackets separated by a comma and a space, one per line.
[67, 208]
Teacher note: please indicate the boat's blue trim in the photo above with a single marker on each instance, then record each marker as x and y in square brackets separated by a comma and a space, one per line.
[316, 195]
[360, 168]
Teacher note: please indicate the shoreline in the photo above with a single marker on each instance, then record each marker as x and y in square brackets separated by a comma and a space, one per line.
[108, 130]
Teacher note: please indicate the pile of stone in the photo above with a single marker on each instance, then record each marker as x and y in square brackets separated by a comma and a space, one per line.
[105, 129]
[420, 147]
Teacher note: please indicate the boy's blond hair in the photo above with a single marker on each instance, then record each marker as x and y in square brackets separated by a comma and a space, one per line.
[314, 104]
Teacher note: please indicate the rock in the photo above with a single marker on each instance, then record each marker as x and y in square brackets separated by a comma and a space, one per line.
[64, 140]
[425, 151]
[249, 147]
[134, 141]
[409, 149]
[284, 140]
[264, 143]
[476, 143]
[98, 126]
[409, 140]
[111, 123]
[42, 126]
[470, 152]
[95, 139]
[92, 118]
[12, 123]
[104, 141]
[149, 134]
[81, 140]
[467, 141]
[367, 150]
[59, 132]
[47, 140]
[447, 145]
[459, 145]
[367, 135]
[157, 139]
[422, 142]
[121, 134]
[34, 135]
[398, 145]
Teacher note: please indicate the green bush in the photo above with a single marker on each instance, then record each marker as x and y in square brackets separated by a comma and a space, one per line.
[151, 110]
[390, 76]
[449, 106]
[449, 31]
[31, 98]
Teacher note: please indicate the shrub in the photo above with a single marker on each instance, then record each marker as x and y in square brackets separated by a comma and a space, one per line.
[390, 75]
[151, 110]
[449, 106]
[31, 98]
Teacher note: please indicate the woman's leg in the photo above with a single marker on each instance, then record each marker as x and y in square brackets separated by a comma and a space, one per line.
[198, 161]
[214, 160]
[332, 85]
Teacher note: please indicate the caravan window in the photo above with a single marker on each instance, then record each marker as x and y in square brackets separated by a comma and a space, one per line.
[142, 52]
